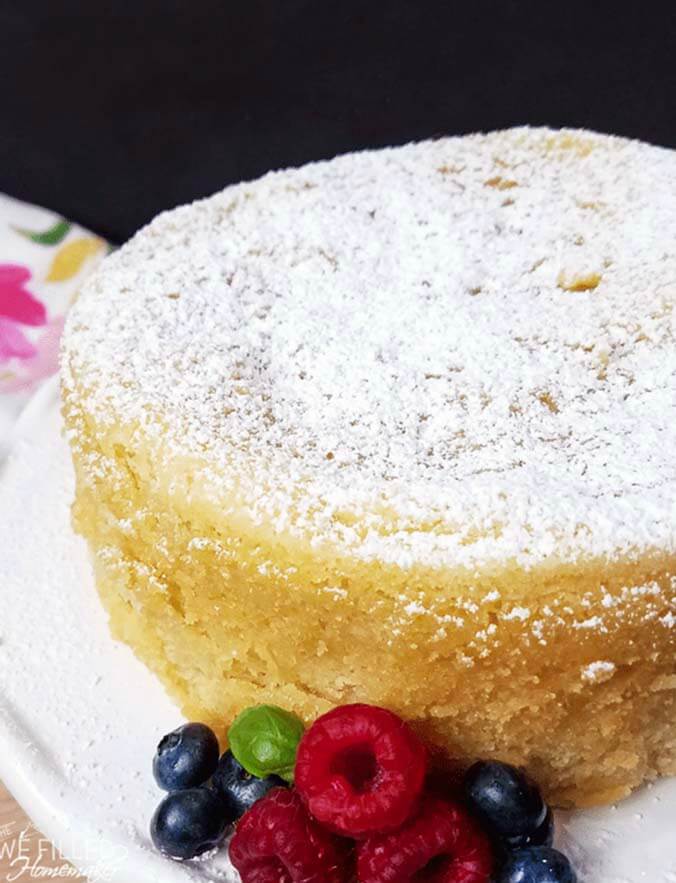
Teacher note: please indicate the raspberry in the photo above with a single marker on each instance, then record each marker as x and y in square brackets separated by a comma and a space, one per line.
[277, 842]
[360, 770]
[442, 844]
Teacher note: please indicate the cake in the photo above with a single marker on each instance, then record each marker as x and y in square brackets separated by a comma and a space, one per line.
[400, 428]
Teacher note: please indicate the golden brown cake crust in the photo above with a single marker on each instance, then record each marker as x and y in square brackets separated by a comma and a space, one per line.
[457, 503]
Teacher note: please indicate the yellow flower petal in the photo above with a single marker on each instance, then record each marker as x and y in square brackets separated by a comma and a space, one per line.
[70, 257]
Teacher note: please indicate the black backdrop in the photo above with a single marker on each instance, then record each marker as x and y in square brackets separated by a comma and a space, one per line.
[112, 111]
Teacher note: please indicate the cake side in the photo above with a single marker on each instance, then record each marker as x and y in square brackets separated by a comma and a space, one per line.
[567, 670]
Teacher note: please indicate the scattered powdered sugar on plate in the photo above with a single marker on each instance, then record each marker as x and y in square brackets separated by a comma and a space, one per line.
[80, 717]
[459, 351]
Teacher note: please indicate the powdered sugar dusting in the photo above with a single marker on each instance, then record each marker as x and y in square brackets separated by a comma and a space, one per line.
[460, 351]
[520, 613]
[596, 672]
[668, 620]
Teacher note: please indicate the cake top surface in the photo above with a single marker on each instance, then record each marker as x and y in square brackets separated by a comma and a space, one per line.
[459, 352]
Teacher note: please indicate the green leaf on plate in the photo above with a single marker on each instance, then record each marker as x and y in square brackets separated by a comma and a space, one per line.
[55, 234]
[264, 739]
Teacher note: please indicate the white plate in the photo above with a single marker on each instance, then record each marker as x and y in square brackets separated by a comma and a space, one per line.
[80, 717]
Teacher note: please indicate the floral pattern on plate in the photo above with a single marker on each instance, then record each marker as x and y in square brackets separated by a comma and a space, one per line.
[43, 260]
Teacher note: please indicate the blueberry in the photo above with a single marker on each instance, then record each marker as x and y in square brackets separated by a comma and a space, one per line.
[505, 798]
[188, 823]
[541, 836]
[537, 864]
[239, 788]
[186, 758]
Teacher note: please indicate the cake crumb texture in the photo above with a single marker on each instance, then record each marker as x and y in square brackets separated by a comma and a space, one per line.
[399, 428]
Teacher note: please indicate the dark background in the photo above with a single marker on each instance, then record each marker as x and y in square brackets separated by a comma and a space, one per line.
[112, 111]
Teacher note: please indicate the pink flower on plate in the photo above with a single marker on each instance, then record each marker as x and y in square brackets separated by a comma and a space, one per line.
[43, 362]
[17, 307]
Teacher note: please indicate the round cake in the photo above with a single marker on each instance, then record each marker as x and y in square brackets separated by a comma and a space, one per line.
[401, 428]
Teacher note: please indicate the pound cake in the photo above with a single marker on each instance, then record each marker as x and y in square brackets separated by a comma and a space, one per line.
[400, 428]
